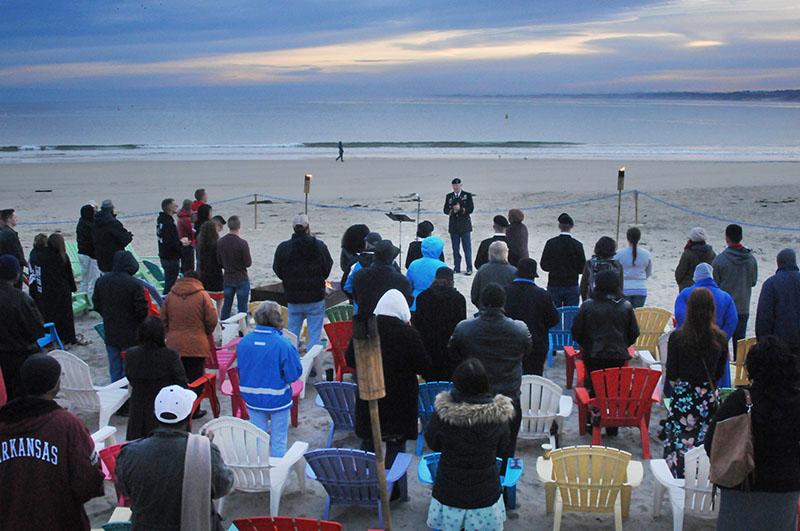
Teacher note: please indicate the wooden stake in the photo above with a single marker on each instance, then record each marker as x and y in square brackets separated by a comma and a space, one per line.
[255, 211]
[636, 205]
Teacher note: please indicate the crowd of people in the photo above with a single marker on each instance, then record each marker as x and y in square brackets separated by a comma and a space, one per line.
[160, 342]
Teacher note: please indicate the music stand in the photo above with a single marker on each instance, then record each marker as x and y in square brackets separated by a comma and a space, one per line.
[400, 219]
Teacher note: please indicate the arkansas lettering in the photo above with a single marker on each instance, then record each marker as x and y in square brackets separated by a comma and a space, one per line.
[29, 447]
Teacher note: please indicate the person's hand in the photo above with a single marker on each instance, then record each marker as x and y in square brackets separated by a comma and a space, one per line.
[185, 241]
[456, 207]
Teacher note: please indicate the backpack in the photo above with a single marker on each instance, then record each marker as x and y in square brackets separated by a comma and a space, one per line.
[596, 266]
[732, 458]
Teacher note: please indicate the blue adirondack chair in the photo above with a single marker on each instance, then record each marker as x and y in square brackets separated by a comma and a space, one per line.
[427, 397]
[100, 328]
[349, 477]
[50, 337]
[339, 400]
[561, 334]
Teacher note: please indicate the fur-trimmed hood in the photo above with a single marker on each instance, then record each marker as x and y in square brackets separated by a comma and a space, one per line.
[499, 409]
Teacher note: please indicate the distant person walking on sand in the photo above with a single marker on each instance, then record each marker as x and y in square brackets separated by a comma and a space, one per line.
[458, 205]
[341, 152]
[233, 254]
[563, 258]
[9, 239]
[109, 236]
[83, 233]
[695, 252]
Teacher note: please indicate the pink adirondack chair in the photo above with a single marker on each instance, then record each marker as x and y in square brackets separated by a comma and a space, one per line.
[108, 456]
[231, 388]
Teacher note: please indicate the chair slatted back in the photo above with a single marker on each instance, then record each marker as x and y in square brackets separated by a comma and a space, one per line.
[652, 324]
[339, 335]
[340, 312]
[589, 478]
[427, 398]
[76, 381]
[539, 399]
[348, 476]
[284, 523]
[339, 400]
[697, 484]
[245, 450]
[233, 327]
[624, 395]
[561, 334]
[740, 376]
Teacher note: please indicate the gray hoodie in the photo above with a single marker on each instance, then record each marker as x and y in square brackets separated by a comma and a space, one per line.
[736, 272]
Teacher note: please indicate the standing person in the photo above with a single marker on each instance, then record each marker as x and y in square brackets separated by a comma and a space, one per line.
[499, 225]
[150, 366]
[49, 467]
[469, 427]
[695, 252]
[200, 199]
[424, 229]
[210, 270]
[303, 263]
[170, 244]
[458, 205]
[186, 230]
[268, 364]
[725, 307]
[563, 258]
[698, 353]
[21, 325]
[602, 260]
[403, 358]
[736, 271]
[517, 237]
[767, 499]
[172, 476]
[204, 213]
[120, 301]
[352, 245]
[341, 152]
[9, 240]
[109, 236]
[497, 270]
[778, 311]
[527, 302]
[637, 267]
[233, 254]
[423, 270]
[369, 284]
[83, 233]
[363, 260]
[439, 309]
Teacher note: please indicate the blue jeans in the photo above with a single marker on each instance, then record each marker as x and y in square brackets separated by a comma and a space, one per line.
[564, 296]
[116, 369]
[278, 422]
[637, 301]
[242, 292]
[314, 312]
[171, 269]
[463, 239]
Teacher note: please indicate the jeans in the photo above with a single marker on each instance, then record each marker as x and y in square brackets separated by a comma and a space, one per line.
[741, 330]
[314, 312]
[463, 239]
[116, 369]
[89, 274]
[564, 296]
[242, 292]
[393, 447]
[171, 269]
[637, 301]
[278, 430]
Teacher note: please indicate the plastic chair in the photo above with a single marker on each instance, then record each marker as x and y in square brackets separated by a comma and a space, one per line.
[81, 303]
[740, 376]
[573, 357]
[155, 270]
[339, 400]
[77, 388]
[108, 456]
[339, 335]
[208, 385]
[104, 437]
[231, 388]
[692, 496]
[623, 397]
[652, 323]
[309, 360]
[245, 450]
[233, 327]
[74, 259]
[221, 358]
[50, 339]
[561, 334]
[285, 523]
[544, 409]
[425, 402]
[340, 312]
[143, 272]
[349, 477]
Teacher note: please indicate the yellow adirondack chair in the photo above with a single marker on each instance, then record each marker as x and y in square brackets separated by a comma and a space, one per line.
[652, 324]
[740, 376]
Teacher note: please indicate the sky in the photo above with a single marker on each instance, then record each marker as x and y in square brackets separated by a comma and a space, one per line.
[395, 48]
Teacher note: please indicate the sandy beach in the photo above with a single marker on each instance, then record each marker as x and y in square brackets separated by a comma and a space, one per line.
[759, 193]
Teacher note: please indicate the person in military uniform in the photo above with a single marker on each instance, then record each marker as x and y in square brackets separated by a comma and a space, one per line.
[458, 205]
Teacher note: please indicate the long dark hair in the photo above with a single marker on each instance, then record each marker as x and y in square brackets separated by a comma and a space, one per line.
[203, 215]
[700, 329]
[605, 247]
[634, 235]
[56, 241]
[207, 235]
[353, 238]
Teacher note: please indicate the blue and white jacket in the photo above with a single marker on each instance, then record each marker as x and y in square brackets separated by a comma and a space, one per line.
[268, 364]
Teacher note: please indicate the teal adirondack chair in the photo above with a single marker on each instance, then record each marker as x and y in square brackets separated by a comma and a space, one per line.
[81, 303]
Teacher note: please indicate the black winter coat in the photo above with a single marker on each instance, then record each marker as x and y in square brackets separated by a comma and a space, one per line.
[369, 285]
[169, 243]
[119, 299]
[210, 269]
[20, 321]
[527, 302]
[482, 256]
[83, 232]
[460, 222]
[470, 433]
[303, 263]
[563, 258]
[605, 328]
[439, 309]
[9, 244]
[52, 285]
[696, 253]
[517, 237]
[404, 357]
[109, 237]
[779, 307]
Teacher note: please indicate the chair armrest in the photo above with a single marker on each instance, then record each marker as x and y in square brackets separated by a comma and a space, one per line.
[544, 470]
[582, 396]
[565, 406]
[103, 434]
[119, 384]
[200, 382]
[662, 474]
[318, 401]
[514, 471]
[399, 467]
[580, 373]
[291, 457]
[635, 473]
[570, 352]
[647, 358]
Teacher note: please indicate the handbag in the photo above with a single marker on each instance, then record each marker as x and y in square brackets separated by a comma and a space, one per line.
[732, 449]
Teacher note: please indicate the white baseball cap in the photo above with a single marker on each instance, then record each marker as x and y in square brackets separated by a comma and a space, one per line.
[173, 404]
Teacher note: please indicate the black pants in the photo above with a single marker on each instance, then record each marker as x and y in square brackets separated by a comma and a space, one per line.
[194, 367]
[393, 447]
[10, 363]
[598, 364]
[533, 363]
[741, 330]
[171, 270]
[187, 258]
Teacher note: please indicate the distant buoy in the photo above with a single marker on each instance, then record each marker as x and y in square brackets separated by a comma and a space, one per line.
[506, 116]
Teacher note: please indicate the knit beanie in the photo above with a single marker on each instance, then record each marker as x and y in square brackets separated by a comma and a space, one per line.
[40, 374]
[9, 267]
[697, 234]
[703, 271]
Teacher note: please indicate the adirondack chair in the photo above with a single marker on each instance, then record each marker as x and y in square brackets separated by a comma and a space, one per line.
[740, 376]
[100, 328]
[692, 496]
[349, 477]
[50, 339]
[339, 400]
[245, 450]
[233, 327]
[561, 334]
[143, 272]
[231, 388]
[104, 437]
[340, 312]
[339, 335]
[425, 402]
[81, 303]
[285, 523]
[652, 324]
[221, 358]
[623, 397]
[208, 386]
[309, 360]
[544, 409]
[589, 479]
[74, 259]
[78, 390]
[108, 456]
[573, 357]
[156, 271]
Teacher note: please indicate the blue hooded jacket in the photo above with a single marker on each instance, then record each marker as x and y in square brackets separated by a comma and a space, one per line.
[422, 271]
[727, 318]
[268, 364]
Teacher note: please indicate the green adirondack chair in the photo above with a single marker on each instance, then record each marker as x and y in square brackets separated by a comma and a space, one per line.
[74, 261]
[340, 312]
[81, 303]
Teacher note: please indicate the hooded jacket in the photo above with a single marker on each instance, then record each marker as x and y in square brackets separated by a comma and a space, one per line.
[423, 270]
[370, 283]
[605, 328]
[109, 236]
[470, 432]
[169, 244]
[21, 322]
[119, 299]
[184, 225]
[527, 302]
[189, 316]
[736, 271]
[83, 232]
[303, 263]
[48, 467]
[268, 364]
[693, 255]
[726, 314]
[439, 309]
[779, 306]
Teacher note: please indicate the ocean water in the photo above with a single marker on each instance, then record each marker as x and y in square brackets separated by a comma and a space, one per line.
[462, 127]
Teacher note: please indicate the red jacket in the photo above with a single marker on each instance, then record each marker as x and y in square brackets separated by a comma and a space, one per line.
[185, 229]
[48, 467]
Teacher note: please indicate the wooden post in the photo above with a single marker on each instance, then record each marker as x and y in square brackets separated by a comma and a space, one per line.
[255, 211]
[369, 371]
[307, 188]
[620, 188]
[636, 206]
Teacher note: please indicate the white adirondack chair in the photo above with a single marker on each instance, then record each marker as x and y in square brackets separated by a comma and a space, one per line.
[232, 326]
[78, 390]
[542, 404]
[245, 450]
[308, 360]
[691, 496]
[104, 437]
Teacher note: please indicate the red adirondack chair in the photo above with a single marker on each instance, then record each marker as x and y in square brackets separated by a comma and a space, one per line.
[208, 385]
[108, 456]
[231, 388]
[572, 356]
[339, 335]
[623, 397]
[284, 523]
